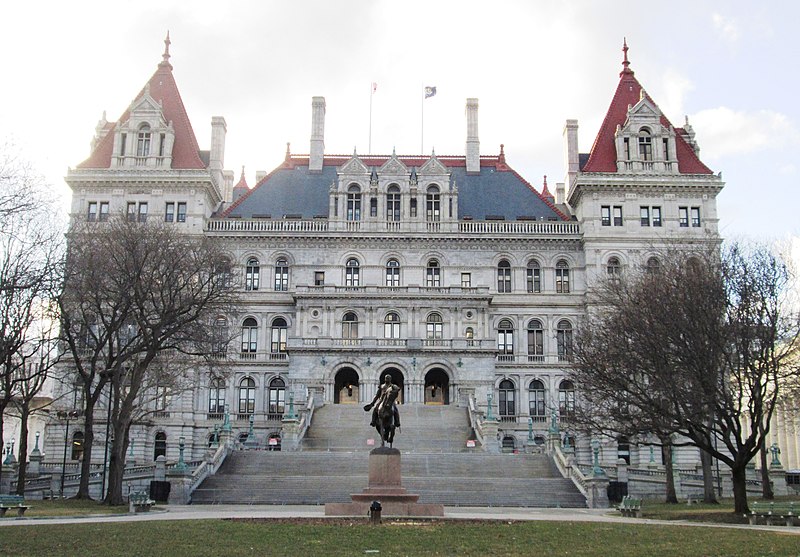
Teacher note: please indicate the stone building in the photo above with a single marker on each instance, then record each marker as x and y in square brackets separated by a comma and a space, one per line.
[453, 273]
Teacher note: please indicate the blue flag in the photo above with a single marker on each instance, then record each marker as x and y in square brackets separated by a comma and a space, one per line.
[429, 92]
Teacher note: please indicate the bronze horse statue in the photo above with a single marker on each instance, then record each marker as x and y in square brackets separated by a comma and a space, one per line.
[385, 417]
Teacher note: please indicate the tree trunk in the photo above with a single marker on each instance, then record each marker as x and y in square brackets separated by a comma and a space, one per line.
[23, 449]
[666, 450]
[2, 440]
[88, 442]
[766, 486]
[116, 466]
[709, 493]
[739, 476]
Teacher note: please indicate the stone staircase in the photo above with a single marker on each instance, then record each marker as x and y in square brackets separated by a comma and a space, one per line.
[333, 463]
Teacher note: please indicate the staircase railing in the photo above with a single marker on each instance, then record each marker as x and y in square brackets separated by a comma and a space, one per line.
[210, 466]
[569, 469]
[305, 420]
[476, 419]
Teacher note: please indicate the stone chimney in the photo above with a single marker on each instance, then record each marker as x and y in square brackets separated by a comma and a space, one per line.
[571, 152]
[216, 159]
[473, 143]
[317, 152]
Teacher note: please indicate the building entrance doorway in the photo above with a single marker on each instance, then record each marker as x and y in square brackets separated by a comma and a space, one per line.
[345, 386]
[397, 379]
[437, 387]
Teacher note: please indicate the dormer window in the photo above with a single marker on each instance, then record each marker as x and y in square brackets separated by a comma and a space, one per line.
[645, 145]
[143, 141]
[432, 204]
[353, 203]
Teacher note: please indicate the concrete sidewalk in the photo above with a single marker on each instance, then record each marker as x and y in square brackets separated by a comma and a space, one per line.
[205, 512]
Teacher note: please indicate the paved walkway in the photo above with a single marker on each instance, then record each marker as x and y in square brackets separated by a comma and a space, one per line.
[199, 512]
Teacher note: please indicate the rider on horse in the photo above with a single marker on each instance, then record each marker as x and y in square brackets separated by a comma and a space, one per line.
[387, 394]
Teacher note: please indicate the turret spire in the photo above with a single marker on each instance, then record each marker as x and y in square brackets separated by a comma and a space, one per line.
[625, 69]
[165, 57]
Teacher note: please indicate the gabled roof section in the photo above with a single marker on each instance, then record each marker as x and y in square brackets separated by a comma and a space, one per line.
[163, 89]
[497, 191]
[603, 156]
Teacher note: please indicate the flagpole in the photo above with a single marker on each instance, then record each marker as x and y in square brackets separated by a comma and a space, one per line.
[371, 92]
[422, 123]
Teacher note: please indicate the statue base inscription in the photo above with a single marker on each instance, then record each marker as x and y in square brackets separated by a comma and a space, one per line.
[384, 486]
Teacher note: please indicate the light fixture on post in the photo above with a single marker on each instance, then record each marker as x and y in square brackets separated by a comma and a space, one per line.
[181, 465]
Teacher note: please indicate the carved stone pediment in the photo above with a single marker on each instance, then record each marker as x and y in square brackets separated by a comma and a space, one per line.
[354, 167]
[393, 167]
[433, 167]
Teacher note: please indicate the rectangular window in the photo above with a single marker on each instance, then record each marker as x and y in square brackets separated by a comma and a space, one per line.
[373, 207]
[319, 278]
[617, 215]
[169, 213]
[466, 280]
[162, 141]
[122, 144]
[605, 215]
[413, 208]
[683, 217]
[644, 215]
[131, 212]
[181, 212]
[696, 217]
[627, 145]
[656, 216]
[666, 149]
[91, 216]
[142, 211]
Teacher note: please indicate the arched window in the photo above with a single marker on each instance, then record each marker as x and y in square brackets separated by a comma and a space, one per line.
[216, 396]
[278, 336]
[469, 334]
[249, 336]
[505, 340]
[143, 141]
[433, 277]
[222, 272]
[535, 341]
[504, 276]
[562, 277]
[77, 446]
[534, 276]
[219, 340]
[351, 273]
[393, 273]
[566, 400]
[251, 274]
[281, 275]
[353, 203]
[506, 400]
[393, 203]
[613, 267]
[645, 145]
[432, 204]
[350, 327]
[277, 397]
[536, 399]
[434, 326]
[247, 396]
[564, 341]
[160, 445]
[653, 265]
[391, 325]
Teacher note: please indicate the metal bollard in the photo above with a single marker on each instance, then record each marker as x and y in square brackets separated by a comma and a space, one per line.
[375, 512]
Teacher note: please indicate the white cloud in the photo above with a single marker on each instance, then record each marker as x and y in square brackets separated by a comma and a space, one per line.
[723, 131]
[674, 88]
[726, 27]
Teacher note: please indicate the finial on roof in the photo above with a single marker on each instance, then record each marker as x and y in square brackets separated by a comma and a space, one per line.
[625, 69]
[242, 176]
[546, 192]
[433, 152]
[288, 151]
[394, 153]
[354, 151]
[502, 157]
[165, 57]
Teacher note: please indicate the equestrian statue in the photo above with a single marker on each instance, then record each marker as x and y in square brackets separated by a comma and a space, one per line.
[385, 417]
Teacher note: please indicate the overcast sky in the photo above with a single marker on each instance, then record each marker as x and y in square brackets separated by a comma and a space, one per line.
[730, 66]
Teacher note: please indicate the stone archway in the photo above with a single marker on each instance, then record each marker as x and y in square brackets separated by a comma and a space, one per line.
[437, 387]
[346, 386]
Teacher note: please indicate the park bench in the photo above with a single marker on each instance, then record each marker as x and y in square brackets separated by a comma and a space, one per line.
[630, 507]
[139, 502]
[773, 512]
[694, 498]
[12, 502]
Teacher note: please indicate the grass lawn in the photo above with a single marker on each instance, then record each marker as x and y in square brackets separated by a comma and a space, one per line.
[393, 538]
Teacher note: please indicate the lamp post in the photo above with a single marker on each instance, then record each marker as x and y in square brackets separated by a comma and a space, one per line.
[181, 465]
[65, 416]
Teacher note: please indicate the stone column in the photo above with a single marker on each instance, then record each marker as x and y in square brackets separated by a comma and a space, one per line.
[597, 492]
[290, 434]
[490, 432]
[180, 483]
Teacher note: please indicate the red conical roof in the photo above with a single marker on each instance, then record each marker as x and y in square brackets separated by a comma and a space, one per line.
[162, 88]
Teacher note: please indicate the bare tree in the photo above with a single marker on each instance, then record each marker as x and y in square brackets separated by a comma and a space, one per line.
[148, 298]
[704, 343]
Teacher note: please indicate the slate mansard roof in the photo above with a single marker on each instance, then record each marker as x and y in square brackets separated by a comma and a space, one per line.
[496, 193]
